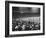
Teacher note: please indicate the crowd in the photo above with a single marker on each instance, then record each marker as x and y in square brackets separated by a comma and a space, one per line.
[25, 25]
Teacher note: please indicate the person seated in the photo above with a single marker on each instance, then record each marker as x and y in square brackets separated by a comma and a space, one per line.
[27, 27]
[19, 28]
[23, 26]
[16, 28]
